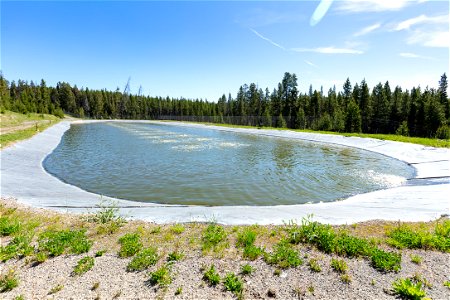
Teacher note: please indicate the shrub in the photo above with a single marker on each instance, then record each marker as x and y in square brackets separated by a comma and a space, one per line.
[144, 259]
[211, 276]
[403, 129]
[284, 256]
[233, 284]
[83, 265]
[161, 276]
[130, 244]
[8, 226]
[56, 242]
[246, 269]
[386, 261]
[407, 289]
[212, 236]
[8, 281]
[443, 132]
[339, 265]
[18, 247]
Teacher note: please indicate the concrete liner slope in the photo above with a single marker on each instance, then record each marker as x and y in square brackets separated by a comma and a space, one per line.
[424, 198]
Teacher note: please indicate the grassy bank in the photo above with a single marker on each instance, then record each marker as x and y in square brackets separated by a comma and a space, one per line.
[166, 257]
[430, 142]
[15, 127]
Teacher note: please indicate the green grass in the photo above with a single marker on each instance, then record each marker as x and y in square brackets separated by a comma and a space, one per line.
[130, 244]
[252, 252]
[314, 265]
[9, 226]
[407, 289]
[175, 256]
[56, 242]
[431, 142]
[447, 284]
[247, 269]
[18, 247]
[177, 228]
[161, 276]
[284, 256]
[233, 284]
[386, 261]
[212, 236]
[416, 259]
[211, 276]
[245, 238]
[8, 281]
[83, 265]
[339, 265]
[144, 259]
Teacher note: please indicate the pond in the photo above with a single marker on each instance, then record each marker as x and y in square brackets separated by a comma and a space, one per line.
[170, 164]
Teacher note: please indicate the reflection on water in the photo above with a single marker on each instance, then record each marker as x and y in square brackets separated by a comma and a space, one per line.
[182, 165]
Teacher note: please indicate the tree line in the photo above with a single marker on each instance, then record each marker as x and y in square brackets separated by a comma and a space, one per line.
[356, 108]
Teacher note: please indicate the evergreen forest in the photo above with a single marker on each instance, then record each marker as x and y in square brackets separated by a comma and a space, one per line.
[356, 108]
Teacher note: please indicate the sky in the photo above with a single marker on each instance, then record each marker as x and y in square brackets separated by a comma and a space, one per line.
[208, 48]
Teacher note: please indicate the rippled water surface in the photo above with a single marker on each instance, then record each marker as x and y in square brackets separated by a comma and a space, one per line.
[183, 165]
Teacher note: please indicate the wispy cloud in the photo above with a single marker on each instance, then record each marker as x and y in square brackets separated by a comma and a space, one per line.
[413, 55]
[358, 6]
[367, 30]
[422, 19]
[311, 64]
[437, 39]
[267, 39]
[328, 50]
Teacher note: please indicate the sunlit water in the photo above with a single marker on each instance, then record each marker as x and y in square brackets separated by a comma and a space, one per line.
[183, 165]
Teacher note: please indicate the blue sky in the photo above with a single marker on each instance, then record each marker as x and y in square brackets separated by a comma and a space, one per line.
[209, 48]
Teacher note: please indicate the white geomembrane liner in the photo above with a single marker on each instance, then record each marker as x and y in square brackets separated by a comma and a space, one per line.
[425, 199]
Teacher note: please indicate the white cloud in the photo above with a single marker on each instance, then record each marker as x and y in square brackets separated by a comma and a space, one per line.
[359, 6]
[367, 30]
[438, 39]
[328, 50]
[422, 19]
[311, 64]
[267, 39]
[413, 55]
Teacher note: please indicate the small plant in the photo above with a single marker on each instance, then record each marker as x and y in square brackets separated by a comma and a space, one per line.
[100, 253]
[8, 226]
[233, 284]
[314, 265]
[130, 244]
[19, 246]
[350, 246]
[177, 229]
[246, 238]
[95, 286]
[447, 284]
[284, 256]
[416, 259]
[175, 256]
[161, 276]
[144, 259]
[345, 278]
[56, 243]
[252, 252]
[107, 212]
[247, 269]
[20, 297]
[178, 291]
[339, 265]
[55, 289]
[277, 272]
[385, 261]
[211, 276]
[117, 294]
[83, 265]
[212, 236]
[311, 289]
[41, 257]
[155, 230]
[407, 289]
[8, 281]
[373, 282]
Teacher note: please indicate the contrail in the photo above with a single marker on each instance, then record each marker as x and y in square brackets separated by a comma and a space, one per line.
[320, 12]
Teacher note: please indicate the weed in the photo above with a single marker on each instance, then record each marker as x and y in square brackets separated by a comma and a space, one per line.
[277, 272]
[8, 281]
[406, 288]
[83, 265]
[55, 289]
[418, 278]
[416, 259]
[8, 226]
[385, 261]
[175, 256]
[19, 297]
[351, 246]
[314, 265]
[100, 253]
[345, 278]
[311, 289]
[161, 276]
[284, 256]
[56, 242]
[233, 284]
[130, 244]
[246, 238]
[252, 252]
[212, 236]
[177, 228]
[211, 276]
[19, 246]
[41, 257]
[323, 236]
[247, 269]
[95, 286]
[144, 259]
[156, 230]
[447, 284]
[373, 282]
[339, 265]
[178, 291]
[107, 212]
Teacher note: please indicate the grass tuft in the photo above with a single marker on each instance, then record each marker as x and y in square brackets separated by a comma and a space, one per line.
[83, 265]
[212, 236]
[233, 284]
[247, 269]
[339, 265]
[284, 256]
[8, 281]
[144, 259]
[314, 265]
[130, 244]
[211, 276]
[385, 261]
[56, 242]
[407, 289]
[161, 276]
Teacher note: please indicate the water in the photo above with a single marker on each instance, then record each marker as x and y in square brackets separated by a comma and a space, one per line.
[181, 165]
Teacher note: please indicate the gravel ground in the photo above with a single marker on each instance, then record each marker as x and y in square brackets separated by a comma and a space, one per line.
[114, 282]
